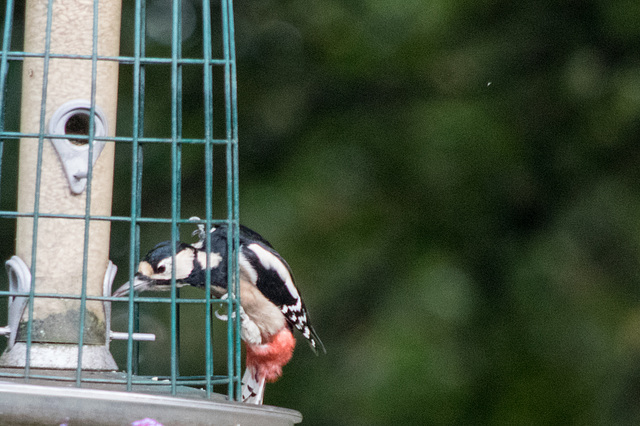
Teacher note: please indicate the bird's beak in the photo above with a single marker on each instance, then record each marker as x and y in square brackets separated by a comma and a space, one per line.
[140, 283]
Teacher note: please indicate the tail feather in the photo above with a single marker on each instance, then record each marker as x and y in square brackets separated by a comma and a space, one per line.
[252, 387]
[314, 340]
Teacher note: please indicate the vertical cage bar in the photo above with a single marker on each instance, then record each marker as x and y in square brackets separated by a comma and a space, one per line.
[36, 202]
[175, 169]
[178, 131]
[87, 214]
[208, 158]
[235, 189]
[231, 391]
[142, 29]
[136, 183]
[235, 185]
[233, 330]
[4, 70]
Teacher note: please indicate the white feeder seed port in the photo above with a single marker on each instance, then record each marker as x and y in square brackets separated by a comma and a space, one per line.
[73, 118]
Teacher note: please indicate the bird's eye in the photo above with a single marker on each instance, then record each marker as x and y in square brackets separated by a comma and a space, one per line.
[161, 269]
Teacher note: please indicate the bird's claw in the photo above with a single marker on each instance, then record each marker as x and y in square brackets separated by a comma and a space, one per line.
[250, 331]
[222, 317]
[225, 317]
[199, 232]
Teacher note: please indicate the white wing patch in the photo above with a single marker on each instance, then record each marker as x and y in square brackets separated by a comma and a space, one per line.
[214, 259]
[247, 269]
[269, 261]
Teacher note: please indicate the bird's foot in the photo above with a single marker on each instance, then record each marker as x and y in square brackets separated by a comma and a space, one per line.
[199, 232]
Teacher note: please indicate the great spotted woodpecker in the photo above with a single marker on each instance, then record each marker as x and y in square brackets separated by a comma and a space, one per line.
[271, 305]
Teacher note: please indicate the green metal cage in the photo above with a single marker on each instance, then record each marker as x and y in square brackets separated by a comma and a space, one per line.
[93, 131]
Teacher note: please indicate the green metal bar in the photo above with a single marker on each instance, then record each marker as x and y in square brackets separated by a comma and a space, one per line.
[4, 70]
[12, 214]
[141, 54]
[36, 203]
[151, 381]
[235, 187]
[233, 330]
[232, 393]
[110, 298]
[124, 60]
[119, 139]
[136, 183]
[87, 222]
[175, 28]
[208, 161]
[235, 184]
[178, 130]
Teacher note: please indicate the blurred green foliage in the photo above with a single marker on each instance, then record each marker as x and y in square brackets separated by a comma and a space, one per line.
[456, 189]
[455, 184]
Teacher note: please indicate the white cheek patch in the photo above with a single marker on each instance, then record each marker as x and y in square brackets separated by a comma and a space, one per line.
[269, 261]
[184, 262]
[214, 259]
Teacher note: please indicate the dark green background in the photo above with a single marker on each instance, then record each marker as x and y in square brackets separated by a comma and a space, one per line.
[455, 185]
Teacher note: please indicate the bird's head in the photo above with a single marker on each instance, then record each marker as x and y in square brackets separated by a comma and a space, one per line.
[156, 269]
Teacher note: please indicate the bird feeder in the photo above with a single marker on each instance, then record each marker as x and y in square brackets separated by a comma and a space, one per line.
[60, 277]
